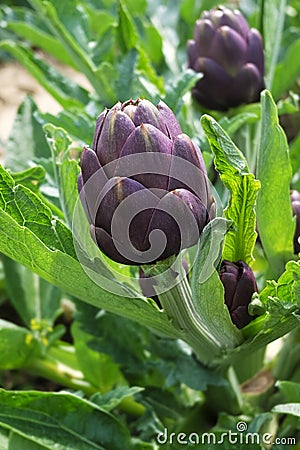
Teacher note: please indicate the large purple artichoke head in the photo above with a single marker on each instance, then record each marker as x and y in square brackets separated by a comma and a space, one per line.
[143, 185]
[239, 285]
[230, 56]
[295, 200]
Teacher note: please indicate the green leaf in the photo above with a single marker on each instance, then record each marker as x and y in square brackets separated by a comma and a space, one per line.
[206, 285]
[112, 399]
[77, 124]
[292, 409]
[27, 140]
[289, 390]
[152, 43]
[295, 161]
[193, 374]
[31, 177]
[4, 438]
[284, 79]
[28, 26]
[17, 441]
[273, 16]
[233, 169]
[233, 124]
[17, 346]
[145, 68]
[29, 211]
[32, 297]
[274, 214]
[97, 367]
[126, 70]
[79, 55]
[127, 33]
[176, 89]
[61, 420]
[66, 169]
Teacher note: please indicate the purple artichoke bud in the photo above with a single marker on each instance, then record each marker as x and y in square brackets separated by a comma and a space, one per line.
[230, 56]
[239, 284]
[144, 185]
[295, 200]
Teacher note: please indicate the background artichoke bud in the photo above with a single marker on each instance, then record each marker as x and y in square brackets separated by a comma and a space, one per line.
[295, 200]
[144, 185]
[239, 284]
[230, 56]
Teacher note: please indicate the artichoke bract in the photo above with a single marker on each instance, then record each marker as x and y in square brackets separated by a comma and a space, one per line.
[295, 200]
[239, 285]
[230, 56]
[143, 185]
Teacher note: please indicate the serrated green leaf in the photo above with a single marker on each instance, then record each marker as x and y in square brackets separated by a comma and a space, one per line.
[28, 210]
[207, 288]
[30, 177]
[274, 214]
[113, 398]
[233, 169]
[61, 420]
[77, 124]
[97, 367]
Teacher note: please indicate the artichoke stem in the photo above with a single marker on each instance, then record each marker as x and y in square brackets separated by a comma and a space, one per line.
[178, 304]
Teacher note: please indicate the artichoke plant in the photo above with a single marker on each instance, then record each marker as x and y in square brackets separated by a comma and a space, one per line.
[230, 56]
[239, 285]
[295, 200]
[143, 185]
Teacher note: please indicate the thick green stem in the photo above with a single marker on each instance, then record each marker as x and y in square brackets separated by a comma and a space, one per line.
[180, 309]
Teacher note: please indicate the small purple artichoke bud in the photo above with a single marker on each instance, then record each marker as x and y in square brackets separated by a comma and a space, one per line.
[144, 185]
[230, 56]
[239, 284]
[295, 200]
